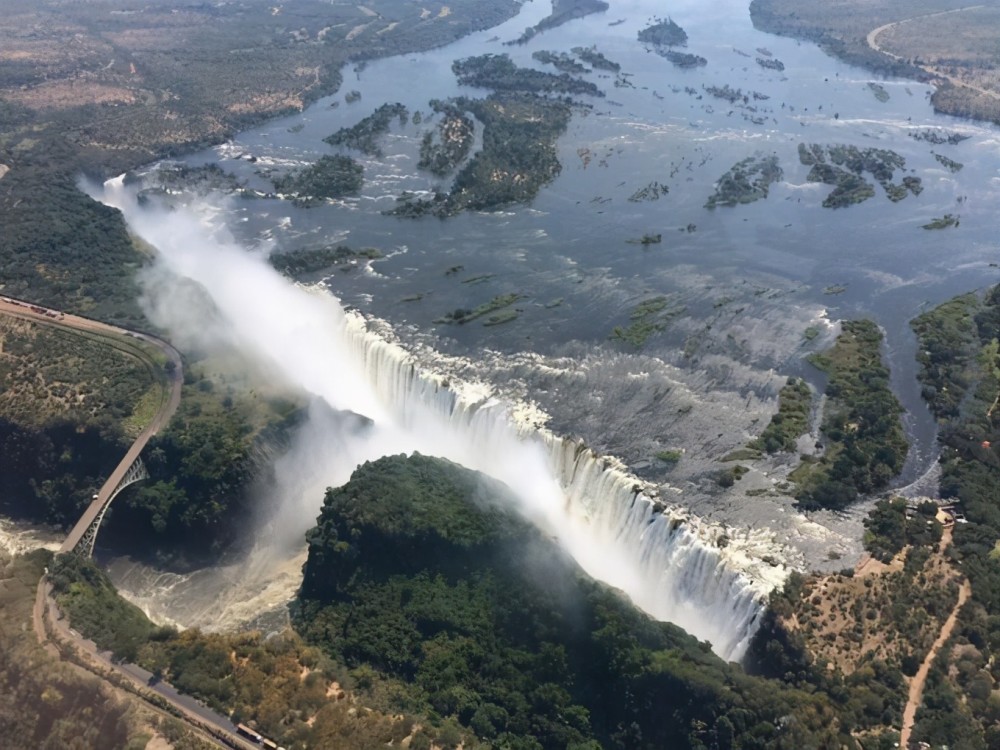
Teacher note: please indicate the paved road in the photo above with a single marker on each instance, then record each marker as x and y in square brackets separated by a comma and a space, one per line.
[208, 723]
[168, 404]
[205, 721]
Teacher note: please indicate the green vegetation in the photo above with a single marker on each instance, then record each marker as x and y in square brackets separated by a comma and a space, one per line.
[670, 456]
[727, 93]
[888, 529]
[50, 372]
[61, 249]
[560, 61]
[648, 318]
[684, 59]
[664, 33]
[747, 181]
[330, 177]
[742, 454]
[946, 221]
[100, 90]
[499, 302]
[366, 135]
[422, 577]
[853, 637]
[455, 134]
[790, 422]
[312, 263]
[650, 192]
[879, 91]
[950, 164]
[730, 476]
[88, 598]
[934, 44]
[865, 444]
[278, 684]
[202, 467]
[845, 170]
[957, 345]
[841, 31]
[69, 404]
[498, 72]
[48, 704]
[947, 353]
[647, 239]
[518, 156]
[563, 11]
[938, 137]
[595, 59]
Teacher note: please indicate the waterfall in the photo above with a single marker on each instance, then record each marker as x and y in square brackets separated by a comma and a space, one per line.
[710, 581]
[670, 564]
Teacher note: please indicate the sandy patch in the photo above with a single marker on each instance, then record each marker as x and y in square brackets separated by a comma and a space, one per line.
[357, 30]
[4, 169]
[445, 11]
[390, 27]
[66, 94]
[159, 743]
[367, 11]
[267, 103]
[424, 13]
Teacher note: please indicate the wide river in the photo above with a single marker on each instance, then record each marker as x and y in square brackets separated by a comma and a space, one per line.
[744, 283]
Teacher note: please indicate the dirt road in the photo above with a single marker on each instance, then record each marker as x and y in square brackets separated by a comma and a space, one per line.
[916, 691]
[874, 34]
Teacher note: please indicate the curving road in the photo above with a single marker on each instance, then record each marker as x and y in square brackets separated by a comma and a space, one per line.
[874, 34]
[48, 623]
[168, 403]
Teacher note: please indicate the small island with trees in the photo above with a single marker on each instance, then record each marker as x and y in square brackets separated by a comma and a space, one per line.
[441, 151]
[747, 181]
[330, 177]
[664, 34]
[365, 136]
[863, 438]
[520, 128]
[843, 167]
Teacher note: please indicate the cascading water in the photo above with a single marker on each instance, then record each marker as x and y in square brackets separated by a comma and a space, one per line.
[670, 564]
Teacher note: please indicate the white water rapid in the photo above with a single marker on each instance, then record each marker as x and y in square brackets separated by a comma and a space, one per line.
[673, 566]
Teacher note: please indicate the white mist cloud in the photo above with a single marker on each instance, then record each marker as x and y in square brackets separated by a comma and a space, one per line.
[304, 338]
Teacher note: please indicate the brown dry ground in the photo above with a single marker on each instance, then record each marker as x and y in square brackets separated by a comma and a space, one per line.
[884, 611]
[949, 42]
[141, 79]
[849, 621]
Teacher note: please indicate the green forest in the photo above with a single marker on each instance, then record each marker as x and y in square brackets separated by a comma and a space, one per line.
[960, 372]
[419, 570]
[864, 443]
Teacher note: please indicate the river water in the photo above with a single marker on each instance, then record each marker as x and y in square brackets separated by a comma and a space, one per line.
[746, 282]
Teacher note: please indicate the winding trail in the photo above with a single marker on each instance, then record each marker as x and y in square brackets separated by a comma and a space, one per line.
[916, 692]
[872, 40]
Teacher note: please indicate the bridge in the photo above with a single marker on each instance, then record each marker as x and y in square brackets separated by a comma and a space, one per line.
[130, 469]
[83, 535]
